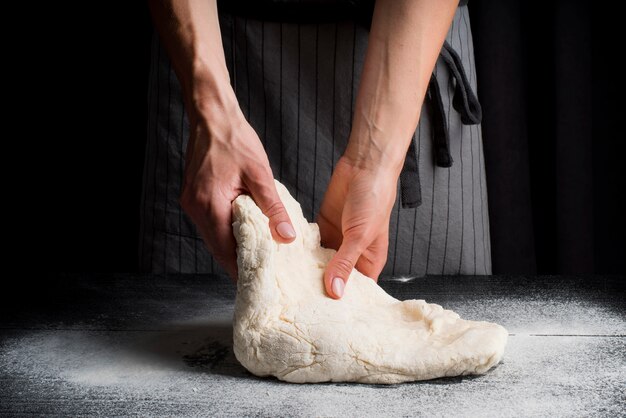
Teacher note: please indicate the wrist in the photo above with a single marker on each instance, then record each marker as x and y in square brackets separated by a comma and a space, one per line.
[208, 93]
[380, 139]
[368, 153]
[213, 102]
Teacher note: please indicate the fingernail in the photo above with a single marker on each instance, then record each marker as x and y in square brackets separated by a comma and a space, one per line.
[337, 287]
[285, 230]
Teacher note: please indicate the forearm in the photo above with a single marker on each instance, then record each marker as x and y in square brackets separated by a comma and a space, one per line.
[190, 32]
[404, 42]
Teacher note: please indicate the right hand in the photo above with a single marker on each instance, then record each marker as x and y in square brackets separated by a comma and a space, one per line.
[354, 220]
[225, 158]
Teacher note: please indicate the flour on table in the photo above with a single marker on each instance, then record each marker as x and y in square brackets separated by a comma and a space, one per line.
[286, 326]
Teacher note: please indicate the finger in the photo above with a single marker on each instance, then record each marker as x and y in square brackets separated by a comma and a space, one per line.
[266, 197]
[226, 255]
[369, 267]
[330, 234]
[225, 244]
[374, 258]
[218, 236]
[339, 268]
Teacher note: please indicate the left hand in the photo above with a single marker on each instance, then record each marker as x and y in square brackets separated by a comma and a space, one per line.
[354, 219]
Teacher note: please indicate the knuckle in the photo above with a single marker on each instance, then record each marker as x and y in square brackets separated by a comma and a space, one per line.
[380, 264]
[274, 209]
[258, 174]
[343, 265]
[355, 234]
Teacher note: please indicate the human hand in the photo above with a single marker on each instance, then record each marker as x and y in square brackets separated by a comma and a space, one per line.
[225, 158]
[354, 219]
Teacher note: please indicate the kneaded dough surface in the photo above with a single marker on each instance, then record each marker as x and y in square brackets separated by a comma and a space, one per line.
[286, 326]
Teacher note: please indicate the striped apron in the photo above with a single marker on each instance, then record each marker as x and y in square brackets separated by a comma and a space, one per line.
[297, 83]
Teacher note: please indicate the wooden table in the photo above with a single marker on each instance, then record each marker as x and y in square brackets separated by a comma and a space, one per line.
[161, 345]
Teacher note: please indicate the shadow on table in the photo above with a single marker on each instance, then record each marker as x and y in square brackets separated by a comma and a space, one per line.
[197, 347]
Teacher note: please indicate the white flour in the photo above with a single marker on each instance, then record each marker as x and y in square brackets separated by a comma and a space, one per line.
[180, 369]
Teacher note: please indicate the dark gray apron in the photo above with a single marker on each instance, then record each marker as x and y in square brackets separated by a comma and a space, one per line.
[296, 84]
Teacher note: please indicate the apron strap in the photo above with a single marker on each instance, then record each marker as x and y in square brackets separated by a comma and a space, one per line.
[441, 134]
[464, 102]
[410, 187]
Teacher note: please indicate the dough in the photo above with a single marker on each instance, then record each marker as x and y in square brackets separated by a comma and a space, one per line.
[286, 326]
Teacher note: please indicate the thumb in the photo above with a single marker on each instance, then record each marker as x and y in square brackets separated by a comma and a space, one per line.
[339, 268]
[267, 199]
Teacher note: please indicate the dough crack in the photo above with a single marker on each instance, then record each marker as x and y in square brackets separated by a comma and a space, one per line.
[298, 368]
[290, 335]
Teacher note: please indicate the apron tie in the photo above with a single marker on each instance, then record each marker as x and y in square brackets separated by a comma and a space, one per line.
[464, 101]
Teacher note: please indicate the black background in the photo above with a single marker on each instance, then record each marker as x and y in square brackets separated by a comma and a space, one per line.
[553, 100]
[547, 72]
[82, 215]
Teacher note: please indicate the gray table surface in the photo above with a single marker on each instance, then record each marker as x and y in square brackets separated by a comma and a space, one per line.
[161, 345]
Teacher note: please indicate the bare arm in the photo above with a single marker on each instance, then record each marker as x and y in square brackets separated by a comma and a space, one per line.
[190, 32]
[404, 42]
[225, 157]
